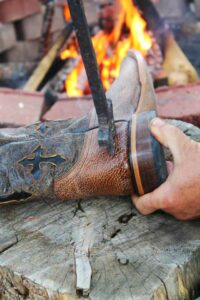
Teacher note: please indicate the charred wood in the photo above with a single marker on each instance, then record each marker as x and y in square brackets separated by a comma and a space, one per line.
[45, 40]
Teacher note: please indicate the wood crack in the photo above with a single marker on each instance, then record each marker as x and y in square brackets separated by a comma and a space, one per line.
[9, 246]
[165, 287]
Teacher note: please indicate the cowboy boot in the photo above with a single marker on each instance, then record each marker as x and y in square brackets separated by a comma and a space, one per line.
[63, 158]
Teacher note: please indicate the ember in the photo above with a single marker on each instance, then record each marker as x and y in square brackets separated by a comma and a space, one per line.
[122, 28]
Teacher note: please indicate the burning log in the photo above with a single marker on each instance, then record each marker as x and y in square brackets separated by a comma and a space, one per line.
[64, 156]
[43, 67]
[122, 27]
[111, 46]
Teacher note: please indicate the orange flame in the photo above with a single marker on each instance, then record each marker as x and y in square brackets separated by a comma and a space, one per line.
[110, 47]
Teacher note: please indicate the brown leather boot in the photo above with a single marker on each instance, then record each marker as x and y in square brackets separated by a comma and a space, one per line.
[63, 158]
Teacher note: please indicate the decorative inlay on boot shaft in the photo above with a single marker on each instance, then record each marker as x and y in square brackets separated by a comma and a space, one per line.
[42, 128]
[38, 159]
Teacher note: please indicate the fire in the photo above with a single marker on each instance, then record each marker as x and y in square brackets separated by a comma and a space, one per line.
[111, 45]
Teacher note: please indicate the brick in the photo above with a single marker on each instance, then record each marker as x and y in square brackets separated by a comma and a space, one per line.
[18, 107]
[171, 8]
[58, 20]
[22, 108]
[13, 10]
[7, 37]
[69, 108]
[179, 102]
[31, 27]
[23, 51]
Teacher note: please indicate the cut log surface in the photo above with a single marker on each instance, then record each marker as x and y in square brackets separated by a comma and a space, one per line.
[100, 248]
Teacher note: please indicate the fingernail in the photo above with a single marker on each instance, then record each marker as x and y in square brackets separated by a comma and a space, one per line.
[157, 122]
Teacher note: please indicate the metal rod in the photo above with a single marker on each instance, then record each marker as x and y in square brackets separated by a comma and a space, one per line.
[102, 105]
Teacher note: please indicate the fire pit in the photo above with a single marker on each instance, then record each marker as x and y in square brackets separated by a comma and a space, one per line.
[121, 27]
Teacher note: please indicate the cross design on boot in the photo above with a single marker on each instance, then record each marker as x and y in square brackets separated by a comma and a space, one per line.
[38, 159]
[42, 128]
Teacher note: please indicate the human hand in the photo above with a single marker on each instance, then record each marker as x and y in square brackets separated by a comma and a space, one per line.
[180, 194]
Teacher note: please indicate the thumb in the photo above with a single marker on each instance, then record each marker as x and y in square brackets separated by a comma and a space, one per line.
[153, 201]
[169, 136]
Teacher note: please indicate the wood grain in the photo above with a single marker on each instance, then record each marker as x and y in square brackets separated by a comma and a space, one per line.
[131, 256]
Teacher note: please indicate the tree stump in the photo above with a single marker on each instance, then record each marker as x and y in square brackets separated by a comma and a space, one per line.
[48, 247]
[99, 248]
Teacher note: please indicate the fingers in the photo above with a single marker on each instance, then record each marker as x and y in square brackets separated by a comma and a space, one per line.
[169, 136]
[143, 204]
[170, 167]
[151, 202]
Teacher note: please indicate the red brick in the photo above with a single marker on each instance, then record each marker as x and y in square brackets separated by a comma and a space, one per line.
[58, 20]
[18, 107]
[13, 10]
[7, 37]
[23, 108]
[180, 102]
[31, 27]
[69, 108]
[23, 51]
